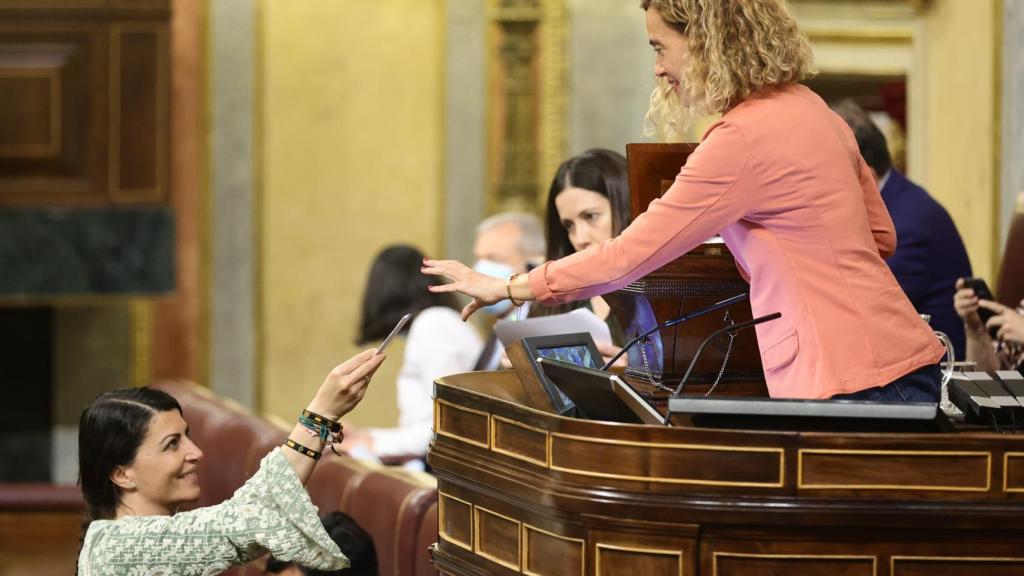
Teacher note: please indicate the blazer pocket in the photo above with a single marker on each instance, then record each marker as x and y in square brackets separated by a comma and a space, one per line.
[782, 352]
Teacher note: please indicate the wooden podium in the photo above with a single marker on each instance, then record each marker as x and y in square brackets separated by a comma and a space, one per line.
[523, 491]
[705, 275]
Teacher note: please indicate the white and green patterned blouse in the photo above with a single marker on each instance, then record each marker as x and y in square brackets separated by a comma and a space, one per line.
[271, 512]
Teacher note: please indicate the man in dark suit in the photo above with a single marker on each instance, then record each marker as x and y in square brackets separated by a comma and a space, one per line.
[930, 254]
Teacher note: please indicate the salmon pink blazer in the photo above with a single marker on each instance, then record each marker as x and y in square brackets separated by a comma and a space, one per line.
[781, 179]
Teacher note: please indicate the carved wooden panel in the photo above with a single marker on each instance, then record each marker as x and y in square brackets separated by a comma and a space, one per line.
[1013, 472]
[734, 564]
[950, 566]
[465, 424]
[549, 554]
[611, 559]
[84, 102]
[895, 470]
[701, 465]
[496, 537]
[455, 520]
[53, 141]
[519, 440]
[139, 73]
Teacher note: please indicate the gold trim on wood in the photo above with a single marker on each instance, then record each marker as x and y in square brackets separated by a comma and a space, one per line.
[715, 555]
[951, 559]
[691, 481]
[441, 507]
[872, 36]
[142, 330]
[53, 147]
[598, 547]
[476, 538]
[1006, 471]
[551, 134]
[526, 548]
[800, 470]
[441, 432]
[494, 444]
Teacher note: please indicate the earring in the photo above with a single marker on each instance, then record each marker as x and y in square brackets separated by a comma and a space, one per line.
[131, 485]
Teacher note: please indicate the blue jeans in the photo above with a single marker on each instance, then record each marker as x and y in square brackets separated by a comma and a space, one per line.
[919, 386]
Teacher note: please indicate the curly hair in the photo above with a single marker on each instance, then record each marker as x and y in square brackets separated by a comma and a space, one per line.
[736, 48]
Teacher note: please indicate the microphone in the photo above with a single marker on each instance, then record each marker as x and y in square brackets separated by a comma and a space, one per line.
[730, 329]
[669, 323]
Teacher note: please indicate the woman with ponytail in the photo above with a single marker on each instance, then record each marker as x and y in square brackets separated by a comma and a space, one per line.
[137, 465]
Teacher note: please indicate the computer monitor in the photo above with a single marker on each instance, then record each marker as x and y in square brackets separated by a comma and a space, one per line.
[600, 395]
[577, 348]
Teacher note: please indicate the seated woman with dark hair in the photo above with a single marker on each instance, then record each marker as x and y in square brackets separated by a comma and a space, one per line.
[137, 465]
[588, 203]
[354, 542]
[438, 343]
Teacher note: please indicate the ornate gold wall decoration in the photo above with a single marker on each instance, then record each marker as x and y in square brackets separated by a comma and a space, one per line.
[526, 101]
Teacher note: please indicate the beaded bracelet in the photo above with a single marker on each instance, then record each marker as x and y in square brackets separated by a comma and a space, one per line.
[302, 449]
[508, 290]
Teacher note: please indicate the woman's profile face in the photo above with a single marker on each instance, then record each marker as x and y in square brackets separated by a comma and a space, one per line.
[669, 49]
[164, 472]
[586, 216]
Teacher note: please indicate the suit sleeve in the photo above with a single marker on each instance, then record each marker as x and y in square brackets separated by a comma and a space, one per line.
[878, 216]
[711, 191]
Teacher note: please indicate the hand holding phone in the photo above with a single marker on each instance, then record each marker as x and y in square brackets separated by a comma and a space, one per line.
[982, 292]
[398, 328]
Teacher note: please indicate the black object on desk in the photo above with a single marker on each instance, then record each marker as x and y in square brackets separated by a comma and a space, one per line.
[599, 394]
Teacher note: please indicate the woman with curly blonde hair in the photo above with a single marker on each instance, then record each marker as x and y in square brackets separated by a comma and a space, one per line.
[780, 177]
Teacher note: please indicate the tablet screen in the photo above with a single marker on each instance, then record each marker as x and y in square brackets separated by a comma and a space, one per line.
[579, 355]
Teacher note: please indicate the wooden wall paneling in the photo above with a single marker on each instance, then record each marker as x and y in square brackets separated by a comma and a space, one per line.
[138, 112]
[53, 142]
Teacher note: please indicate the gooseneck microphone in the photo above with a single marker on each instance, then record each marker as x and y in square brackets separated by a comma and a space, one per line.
[730, 329]
[669, 323]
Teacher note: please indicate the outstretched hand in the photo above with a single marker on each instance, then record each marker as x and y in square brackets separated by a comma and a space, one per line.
[483, 289]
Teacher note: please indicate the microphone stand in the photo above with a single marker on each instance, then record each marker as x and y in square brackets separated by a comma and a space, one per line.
[669, 323]
[730, 329]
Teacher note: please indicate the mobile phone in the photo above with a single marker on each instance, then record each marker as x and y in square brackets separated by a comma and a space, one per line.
[394, 332]
[981, 291]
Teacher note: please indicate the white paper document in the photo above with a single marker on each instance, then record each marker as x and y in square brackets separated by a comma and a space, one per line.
[579, 320]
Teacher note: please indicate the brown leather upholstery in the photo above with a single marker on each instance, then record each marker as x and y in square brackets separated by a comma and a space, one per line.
[333, 481]
[425, 537]
[1010, 285]
[389, 506]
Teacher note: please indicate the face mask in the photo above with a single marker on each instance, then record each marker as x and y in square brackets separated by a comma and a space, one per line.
[498, 270]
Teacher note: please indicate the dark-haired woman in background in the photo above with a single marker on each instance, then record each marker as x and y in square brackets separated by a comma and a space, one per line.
[137, 465]
[355, 542]
[588, 203]
[438, 343]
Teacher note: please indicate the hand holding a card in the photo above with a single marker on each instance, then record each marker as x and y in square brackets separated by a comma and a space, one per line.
[345, 385]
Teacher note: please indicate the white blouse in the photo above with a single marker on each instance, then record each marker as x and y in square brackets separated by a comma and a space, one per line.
[439, 343]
